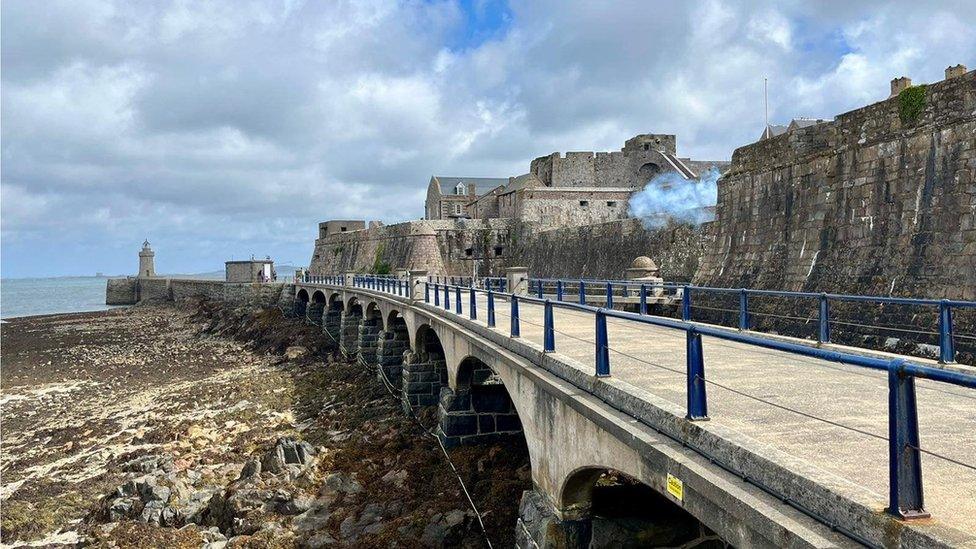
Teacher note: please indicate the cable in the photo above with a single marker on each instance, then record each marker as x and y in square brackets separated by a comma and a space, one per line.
[407, 406]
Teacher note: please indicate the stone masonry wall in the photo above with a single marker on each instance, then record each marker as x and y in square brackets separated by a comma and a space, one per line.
[121, 291]
[607, 250]
[866, 204]
[439, 246]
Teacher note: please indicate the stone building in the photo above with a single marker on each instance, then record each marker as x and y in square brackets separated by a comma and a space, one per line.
[583, 188]
[448, 197]
[250, 270]
[336, 226]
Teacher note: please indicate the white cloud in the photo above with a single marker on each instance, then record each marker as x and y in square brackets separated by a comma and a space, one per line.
[233, 127]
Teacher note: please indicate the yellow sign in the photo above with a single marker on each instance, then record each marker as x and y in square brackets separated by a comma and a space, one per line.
[675, 487]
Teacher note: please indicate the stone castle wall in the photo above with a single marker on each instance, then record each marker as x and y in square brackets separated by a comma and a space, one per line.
[438, 246]
[866, 204]
[606, 250]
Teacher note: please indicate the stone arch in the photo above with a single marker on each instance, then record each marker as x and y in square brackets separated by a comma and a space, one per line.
[647, 172]
[318, 297]
[608, 507]
[424, 368]
[477, 408]
[301, 302]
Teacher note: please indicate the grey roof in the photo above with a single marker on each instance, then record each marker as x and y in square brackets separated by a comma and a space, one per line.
[481, 184]
[772, 130]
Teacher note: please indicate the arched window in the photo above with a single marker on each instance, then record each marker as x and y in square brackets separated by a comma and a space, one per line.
[459, 189]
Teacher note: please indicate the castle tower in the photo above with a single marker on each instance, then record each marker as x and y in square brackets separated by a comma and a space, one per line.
[147, 267]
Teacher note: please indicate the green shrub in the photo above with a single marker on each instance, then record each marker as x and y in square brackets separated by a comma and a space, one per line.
[911, 103]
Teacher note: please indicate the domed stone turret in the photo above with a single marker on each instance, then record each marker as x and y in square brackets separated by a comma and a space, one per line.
[147, 263]
[645, 263]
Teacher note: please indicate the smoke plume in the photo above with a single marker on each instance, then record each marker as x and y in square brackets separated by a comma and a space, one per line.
[671, 197]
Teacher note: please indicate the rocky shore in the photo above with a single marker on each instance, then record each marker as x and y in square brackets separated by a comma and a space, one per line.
[203, 426]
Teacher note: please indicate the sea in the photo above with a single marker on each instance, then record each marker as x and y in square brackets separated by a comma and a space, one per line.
[44, 296]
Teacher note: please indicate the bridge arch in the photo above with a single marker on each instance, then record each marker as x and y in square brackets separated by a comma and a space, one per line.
[332, 317]
[318, 296]
[477, 408]
[370, 327]
[611, 507]
[301, 302]
[393, 341]
[316, 307]
[424, 368]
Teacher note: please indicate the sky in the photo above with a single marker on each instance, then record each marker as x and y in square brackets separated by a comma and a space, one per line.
[221, 129]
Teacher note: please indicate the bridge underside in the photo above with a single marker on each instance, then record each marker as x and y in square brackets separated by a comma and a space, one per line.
[579, 429]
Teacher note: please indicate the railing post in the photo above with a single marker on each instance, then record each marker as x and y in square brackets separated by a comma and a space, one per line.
[447, 297]
[473, 304]
[437, 295]
[905, 497]
[643, 299]
[515, 331]
[602, 345]
[686, 303]
[582, 292]
[457, 299]
[743, 309]
[824, 333]
[947, 351]
[491, 308]
[549, 339]
[559, 290]
[609, 295]
[426, 292]
[697, 401]
[539, 288]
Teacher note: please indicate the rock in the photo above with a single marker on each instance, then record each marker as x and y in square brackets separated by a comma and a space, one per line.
[287, 451]
[124, 507]
[341, 482]
[444, 529]
[398, 478]
[149, 464]
[296, 352]
[251, 468]
[150, 490]
[152, 513]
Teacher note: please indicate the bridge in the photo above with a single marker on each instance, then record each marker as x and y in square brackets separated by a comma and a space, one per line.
[767, 440]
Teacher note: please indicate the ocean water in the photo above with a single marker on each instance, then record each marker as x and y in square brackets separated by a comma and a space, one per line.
[41, 296]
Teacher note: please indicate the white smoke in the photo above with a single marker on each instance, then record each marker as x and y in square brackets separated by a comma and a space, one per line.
[671, 197]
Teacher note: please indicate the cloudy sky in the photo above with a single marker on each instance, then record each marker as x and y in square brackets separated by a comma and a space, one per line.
[224, 129]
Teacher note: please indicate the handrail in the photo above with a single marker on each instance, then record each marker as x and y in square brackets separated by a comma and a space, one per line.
[904, 455]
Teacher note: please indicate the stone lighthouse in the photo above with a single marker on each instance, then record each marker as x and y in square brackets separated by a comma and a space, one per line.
[147, 267]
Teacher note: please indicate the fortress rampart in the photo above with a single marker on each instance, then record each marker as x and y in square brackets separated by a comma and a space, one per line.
[132, 290]
[872, 202]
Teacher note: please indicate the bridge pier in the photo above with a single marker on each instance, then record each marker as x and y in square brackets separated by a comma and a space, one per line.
[332, 320]
[423, 375]
[390, 347]
[314, 312]
[539, 527]
[299, 308]
[287, 299]
[480, 411]
[369, 330]
[349, 330]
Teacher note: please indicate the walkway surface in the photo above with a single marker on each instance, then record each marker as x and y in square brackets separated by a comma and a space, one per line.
[831, 416]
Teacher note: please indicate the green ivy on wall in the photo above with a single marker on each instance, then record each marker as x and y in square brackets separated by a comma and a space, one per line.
[911, 103]
[380, 267]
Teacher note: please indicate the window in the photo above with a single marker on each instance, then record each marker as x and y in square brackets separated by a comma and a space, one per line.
[457, 209]
[459, 189]
[498, 251]
[469, 252]
[342, 229]
[647, 146]
[584, 203]
[612, 203]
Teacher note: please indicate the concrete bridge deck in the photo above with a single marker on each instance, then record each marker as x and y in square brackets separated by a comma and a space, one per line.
[827, 420]
[820, 425]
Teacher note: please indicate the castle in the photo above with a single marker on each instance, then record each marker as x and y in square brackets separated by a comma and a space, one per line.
[878, 199]
[560, 190]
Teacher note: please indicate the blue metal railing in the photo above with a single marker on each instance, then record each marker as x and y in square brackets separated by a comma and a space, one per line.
[904, 453]
[608, 289]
